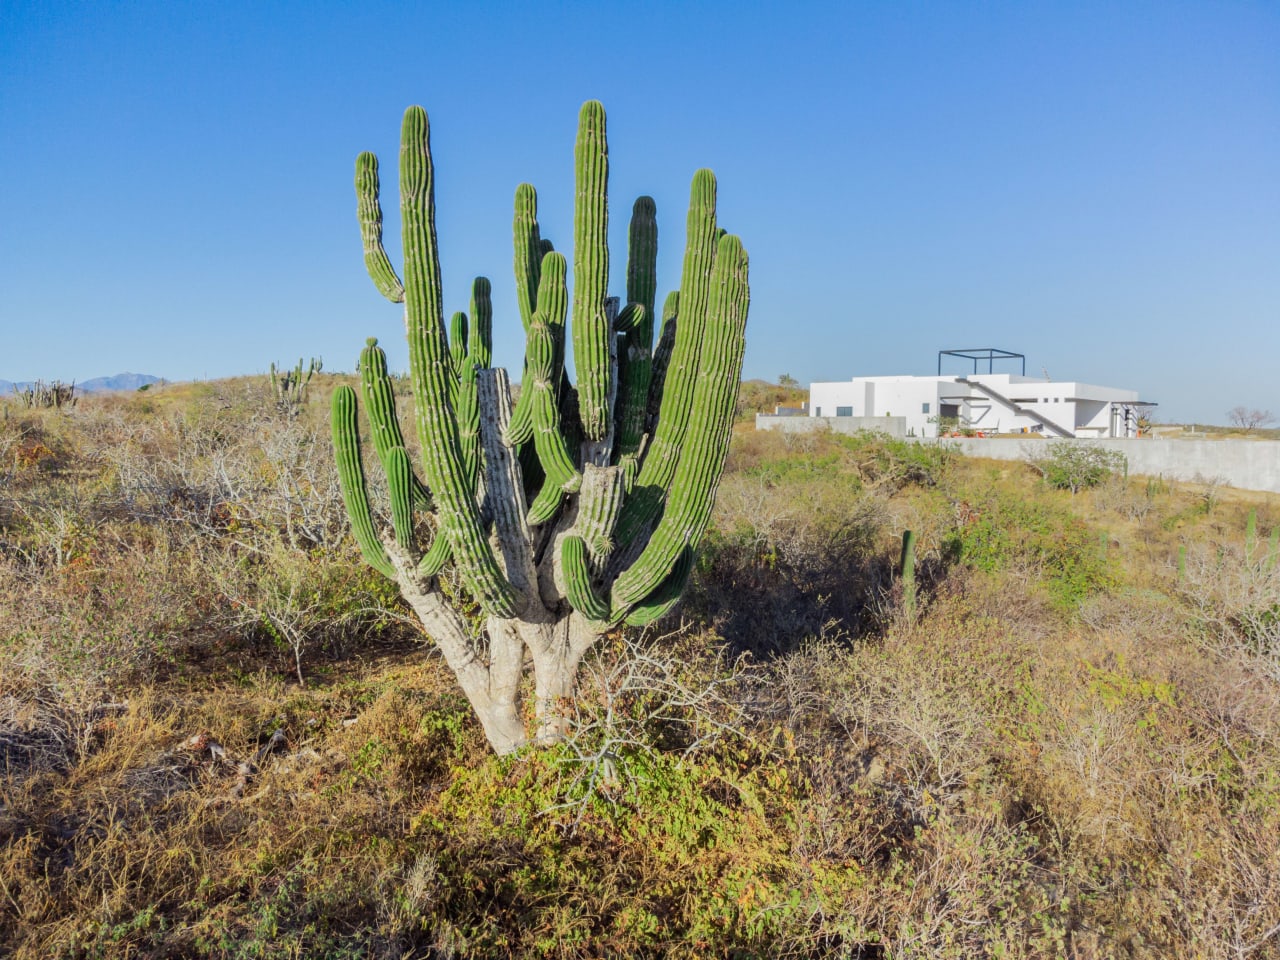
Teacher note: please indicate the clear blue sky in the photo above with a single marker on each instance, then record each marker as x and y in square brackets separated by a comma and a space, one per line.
[1096, 185]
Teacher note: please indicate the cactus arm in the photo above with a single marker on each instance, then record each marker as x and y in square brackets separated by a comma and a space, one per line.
[480, 347]
[528, 252]
[468, 414]
[553, 303]
[436, 557]
[369, 212]
[380, 405]
[591, 328]
[388, 442]
[430, 365]
[659, 603]
[458, 343]
[520, 427]
[635, 353]
[662, 359]
[646, 503]
[346, 448]
[400, 485]
[561, 474]
[630, 318]
[706, 442]
[695, 283]
[576, 569]
[544, 506]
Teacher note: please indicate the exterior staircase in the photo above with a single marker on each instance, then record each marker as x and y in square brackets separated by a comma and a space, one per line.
[1017, 407]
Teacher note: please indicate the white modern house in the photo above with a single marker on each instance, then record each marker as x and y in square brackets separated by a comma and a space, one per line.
[990, 403]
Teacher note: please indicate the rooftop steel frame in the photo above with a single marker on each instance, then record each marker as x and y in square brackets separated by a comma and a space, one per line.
[977, 354]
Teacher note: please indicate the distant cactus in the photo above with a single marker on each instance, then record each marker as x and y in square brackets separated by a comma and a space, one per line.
[580, 509]
[55, 395]
[290, 386]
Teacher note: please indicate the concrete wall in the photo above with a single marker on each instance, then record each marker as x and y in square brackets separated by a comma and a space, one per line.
[893, 426]
[1246, 464]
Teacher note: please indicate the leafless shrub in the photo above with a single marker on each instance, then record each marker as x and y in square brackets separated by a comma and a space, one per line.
[1120, 496]
[1236, 601]
[1249, 419]
[636, 696]
[274, 476]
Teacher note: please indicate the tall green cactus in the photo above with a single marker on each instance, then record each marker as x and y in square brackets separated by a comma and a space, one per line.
[624, 465]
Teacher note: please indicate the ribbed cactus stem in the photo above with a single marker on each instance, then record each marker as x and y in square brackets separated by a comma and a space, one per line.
[579, 587]
[635, 356]
[662, 359]
[369, 212]
[380, 406]
[591, 328]
[468, 414]
[561, 474]
[480, 346]
[431, 374]
[695, 291]
[907, 569]
[706, 441]
[400, 486]
[553, 304]
[1273, 547]
[1182, 561]
[679, 375]
[630, 317]
[458, 343]
[436, 557]
[659, 603]
[346, 447]
[528, 252]
[1250, 534]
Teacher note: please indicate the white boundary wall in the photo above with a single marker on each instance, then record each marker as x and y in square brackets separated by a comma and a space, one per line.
[1247, 464]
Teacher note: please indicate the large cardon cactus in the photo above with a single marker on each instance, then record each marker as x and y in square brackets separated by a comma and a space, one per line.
[580, 508]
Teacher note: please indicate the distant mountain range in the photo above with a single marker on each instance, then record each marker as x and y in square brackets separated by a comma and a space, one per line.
[121, 381]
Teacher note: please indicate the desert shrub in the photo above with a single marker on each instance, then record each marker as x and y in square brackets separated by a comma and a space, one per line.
[992, 779]
[1235, 598]
[1038, 540]
[1068, 465]
[786, 559]
[301, 601]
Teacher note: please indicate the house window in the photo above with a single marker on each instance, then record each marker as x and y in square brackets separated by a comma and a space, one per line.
[817, 411]
[844, 411]
[924, 408]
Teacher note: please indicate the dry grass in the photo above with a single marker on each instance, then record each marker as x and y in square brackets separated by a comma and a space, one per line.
[219, 738]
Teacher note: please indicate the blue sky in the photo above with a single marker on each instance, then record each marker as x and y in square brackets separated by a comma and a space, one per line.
[1096, 185]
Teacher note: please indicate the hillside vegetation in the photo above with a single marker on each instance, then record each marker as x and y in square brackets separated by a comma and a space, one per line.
[222, 736]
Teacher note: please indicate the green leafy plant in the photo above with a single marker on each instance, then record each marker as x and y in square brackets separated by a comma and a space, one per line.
[1070, 465]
